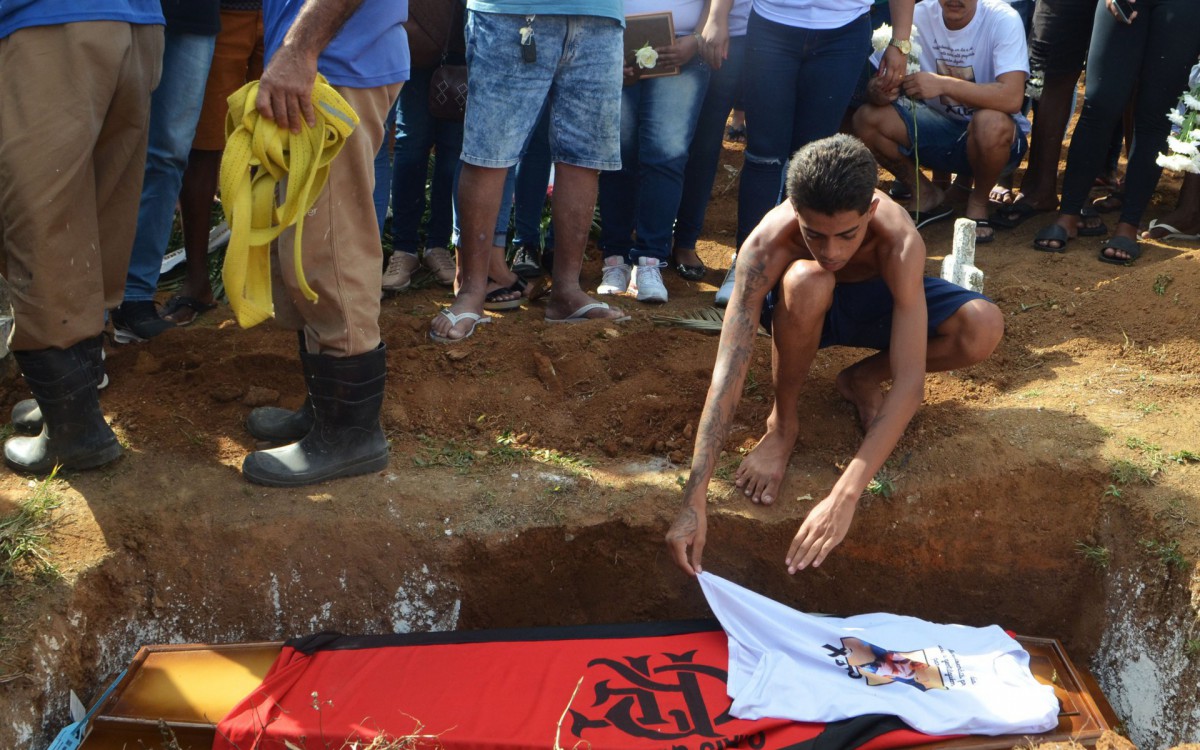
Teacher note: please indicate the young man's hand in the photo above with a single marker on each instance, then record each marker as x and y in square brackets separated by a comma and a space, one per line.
[823, 529]
[689, 530]
[880, 93]
[923, 85]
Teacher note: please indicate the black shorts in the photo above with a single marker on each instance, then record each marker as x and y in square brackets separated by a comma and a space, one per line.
[1062, 31]
[861, 313]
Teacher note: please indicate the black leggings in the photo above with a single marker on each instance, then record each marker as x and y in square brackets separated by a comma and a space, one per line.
[1154, 54]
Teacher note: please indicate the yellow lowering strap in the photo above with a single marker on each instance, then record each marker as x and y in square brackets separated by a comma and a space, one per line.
[258, 156]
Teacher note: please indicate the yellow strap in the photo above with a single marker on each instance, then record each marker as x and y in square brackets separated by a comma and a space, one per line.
[258, 156]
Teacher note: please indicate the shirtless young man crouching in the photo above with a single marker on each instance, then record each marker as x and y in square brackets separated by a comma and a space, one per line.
[838, 264]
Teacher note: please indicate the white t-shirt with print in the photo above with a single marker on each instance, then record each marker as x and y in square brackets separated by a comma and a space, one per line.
[938, 679]
[992, 44]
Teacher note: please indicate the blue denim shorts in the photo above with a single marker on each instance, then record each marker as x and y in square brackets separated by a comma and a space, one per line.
[942, 142]
[577, 74]
[861, 313]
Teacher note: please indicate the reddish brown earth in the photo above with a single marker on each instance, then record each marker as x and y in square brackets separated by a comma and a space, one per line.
[536, 467]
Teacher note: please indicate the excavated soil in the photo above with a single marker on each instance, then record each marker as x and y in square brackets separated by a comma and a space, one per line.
[535, 468]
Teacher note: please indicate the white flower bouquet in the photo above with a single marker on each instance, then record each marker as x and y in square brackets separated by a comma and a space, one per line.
[1183, 144]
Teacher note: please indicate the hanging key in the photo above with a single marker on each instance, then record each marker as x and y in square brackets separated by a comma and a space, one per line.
[528, 42]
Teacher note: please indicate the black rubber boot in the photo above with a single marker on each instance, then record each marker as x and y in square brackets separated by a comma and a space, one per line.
[74, 434]
[27, 415]
[345, 439]
[276, 425]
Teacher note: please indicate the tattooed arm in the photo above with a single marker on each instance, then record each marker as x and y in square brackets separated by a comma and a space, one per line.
[760, 263]
[903, 265]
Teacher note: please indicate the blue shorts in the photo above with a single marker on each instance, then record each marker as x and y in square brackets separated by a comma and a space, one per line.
[942, 142]
[861, 313]
[577, 74]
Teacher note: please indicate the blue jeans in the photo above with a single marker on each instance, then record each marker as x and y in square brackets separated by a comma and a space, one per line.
[724, 85]
[383, 171]
[417, 132]
[533, 176]
[174, 112]
[802, 83]
[658, 120]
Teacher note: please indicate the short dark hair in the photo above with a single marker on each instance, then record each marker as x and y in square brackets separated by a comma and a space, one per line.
[833, 175]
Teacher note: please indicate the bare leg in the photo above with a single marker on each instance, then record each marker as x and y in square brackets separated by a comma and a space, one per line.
[195, 204]
[989, 143]
[884, 133]
[1186, 216]
[799, 316]
[574, 205]
[479, 192]
[1038, 188]
[968, 336]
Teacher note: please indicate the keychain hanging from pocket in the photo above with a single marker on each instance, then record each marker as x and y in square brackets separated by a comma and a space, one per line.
[528, 42]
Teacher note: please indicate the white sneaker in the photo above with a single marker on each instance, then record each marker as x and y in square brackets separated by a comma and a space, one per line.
[650, 287]
[441, 262]
[398, 275]
[726, 289]
[615, 279]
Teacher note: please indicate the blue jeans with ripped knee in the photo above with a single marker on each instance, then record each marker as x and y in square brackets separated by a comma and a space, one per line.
[801, 84]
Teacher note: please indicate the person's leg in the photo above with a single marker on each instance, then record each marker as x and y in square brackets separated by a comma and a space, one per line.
[382, 196]
[506, 95]
[1114, 62]
[889, 132]
[774, 53]
[448, 137]
[1163, 75]
[828, 73]
[1185, 219]
[990, 139]
[342, 254]
[803, 297]
[174, 112]
[195, 209]
[705, 153]
[410, 162]
[533, 178]
[618, 195]
[78, 210]
[1058, 44]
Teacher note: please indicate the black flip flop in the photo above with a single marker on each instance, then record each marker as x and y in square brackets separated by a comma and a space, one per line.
[983, 224]
[1130, 247]
[1051, 233]
[1095, 230]
[1012, 215]
[492, 301]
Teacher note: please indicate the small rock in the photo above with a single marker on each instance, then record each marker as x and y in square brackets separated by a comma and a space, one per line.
[627, 441]
[457, 355]
[611, 333]
[223, 393]
[259, 396]
[610, 449]
[648, 446]
[659, 446]
[546, 372]
[688, 430]
[676, 457]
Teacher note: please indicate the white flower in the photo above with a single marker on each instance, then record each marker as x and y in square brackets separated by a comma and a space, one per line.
[646, 57]
[1191, 101]
[881, 37]
[1175, 118]
[916, 48]
[913, 67]
[1185, 147]
[1174, 162]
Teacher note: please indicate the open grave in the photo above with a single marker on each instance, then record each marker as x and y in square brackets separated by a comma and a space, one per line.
[535, 469]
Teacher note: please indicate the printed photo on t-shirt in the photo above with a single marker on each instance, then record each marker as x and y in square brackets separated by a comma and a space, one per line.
[962, 73]
[881, 667]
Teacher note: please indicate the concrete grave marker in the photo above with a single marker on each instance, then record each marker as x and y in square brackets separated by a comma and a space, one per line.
[959, 266]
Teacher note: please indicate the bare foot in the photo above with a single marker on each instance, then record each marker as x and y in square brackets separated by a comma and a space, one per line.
[444, 327]
[564, 305]
[762, 470]
[929, 198]
[864, 394]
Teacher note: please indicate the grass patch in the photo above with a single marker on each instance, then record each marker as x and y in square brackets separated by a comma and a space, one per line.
[1167, 552]
[1161, 282]
[882, 485]
[1183, 457]
[1095, 554]
[23, 550]
[1125, 472]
